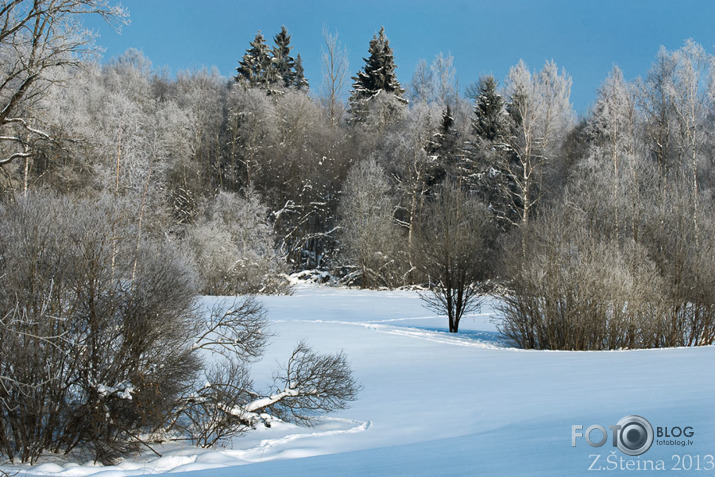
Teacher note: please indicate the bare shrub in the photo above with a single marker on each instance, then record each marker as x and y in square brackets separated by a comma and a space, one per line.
[684, 251]
[573, 290]
[95, 329]
[103, 343]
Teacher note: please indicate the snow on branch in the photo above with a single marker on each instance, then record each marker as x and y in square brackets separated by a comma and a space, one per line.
[310, 385]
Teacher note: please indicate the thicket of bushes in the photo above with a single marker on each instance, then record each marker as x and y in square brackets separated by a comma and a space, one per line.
[104, 346]
[583, 282]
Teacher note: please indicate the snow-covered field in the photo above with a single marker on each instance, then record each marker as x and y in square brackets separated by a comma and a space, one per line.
[435, 404]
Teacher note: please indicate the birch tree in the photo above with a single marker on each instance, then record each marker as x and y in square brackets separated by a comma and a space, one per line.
[541, 115]
[690, 106]
[613, 129]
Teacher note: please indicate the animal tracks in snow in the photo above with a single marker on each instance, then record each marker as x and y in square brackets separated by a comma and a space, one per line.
[467, 338]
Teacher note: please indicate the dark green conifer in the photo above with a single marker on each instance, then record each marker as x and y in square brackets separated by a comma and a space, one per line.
[255, 67]
[377, 76]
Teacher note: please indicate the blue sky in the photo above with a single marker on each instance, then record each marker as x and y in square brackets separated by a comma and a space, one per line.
[586, 37]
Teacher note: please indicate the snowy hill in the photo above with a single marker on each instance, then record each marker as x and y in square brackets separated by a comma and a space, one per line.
[436, 404]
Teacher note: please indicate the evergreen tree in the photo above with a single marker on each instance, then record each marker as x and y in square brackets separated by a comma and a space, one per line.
[299, 81]
[283, 62]
[271, 68]
[255, 69]
[445, 148]
[377, 76]
[491, 160]
[489, 122]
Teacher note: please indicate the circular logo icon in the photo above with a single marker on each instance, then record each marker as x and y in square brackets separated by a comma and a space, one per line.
[635, 435]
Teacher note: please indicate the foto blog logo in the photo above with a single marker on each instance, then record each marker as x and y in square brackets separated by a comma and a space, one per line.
[633, 435]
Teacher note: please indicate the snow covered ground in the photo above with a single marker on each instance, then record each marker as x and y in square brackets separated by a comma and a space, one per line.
[435, 404]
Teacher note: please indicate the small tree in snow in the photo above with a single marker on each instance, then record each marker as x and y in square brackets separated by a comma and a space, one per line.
[453, 249]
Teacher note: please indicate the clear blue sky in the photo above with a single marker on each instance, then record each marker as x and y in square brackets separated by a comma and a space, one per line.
[586, 37]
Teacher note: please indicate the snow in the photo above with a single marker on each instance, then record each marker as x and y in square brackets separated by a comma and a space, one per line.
[440, 404]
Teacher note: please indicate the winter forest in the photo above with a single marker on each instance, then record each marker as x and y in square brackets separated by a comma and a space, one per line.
[125, 193]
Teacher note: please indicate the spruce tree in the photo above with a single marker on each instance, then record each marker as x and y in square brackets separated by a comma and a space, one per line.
[283, 62]
[489, 122]
[491, 163]
[271, 69]
[377, 76]
[255, 68]
[299, 81]
[444, 147]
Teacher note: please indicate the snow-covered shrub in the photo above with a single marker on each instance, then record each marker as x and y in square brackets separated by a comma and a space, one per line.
[232, 248]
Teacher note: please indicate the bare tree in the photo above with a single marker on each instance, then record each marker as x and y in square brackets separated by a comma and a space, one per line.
[310, 385]
[335, 74]
[422, 85]
[444, 78]
[435, 83]
[252, 125]
[37, 37]
[414, 166]
[453, 253]
[613, 129]
[690, 105]
[214, 410]
[237, 331]
[655, 101]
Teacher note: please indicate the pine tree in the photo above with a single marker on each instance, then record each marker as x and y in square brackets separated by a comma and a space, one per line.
[255, 69]
[377, 76]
